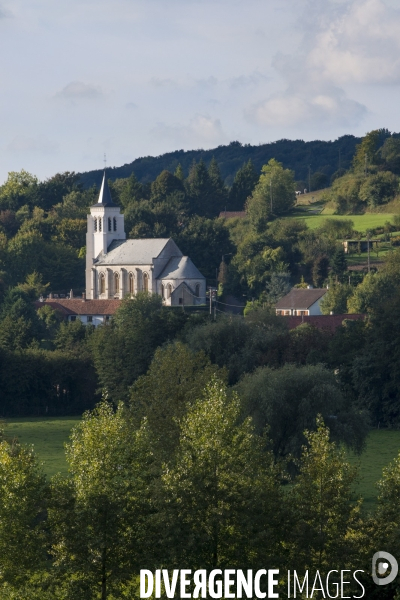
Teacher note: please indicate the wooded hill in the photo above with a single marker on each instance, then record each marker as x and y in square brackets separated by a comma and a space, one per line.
[296, 155]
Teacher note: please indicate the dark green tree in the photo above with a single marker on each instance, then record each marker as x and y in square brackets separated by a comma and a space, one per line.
[243, 185]
[287, 400]
[339, 263]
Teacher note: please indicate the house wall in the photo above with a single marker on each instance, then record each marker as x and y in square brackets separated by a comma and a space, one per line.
[315, 309]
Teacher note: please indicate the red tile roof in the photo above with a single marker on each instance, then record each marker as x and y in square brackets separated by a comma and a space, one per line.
[329, 322]
[77, 306]
[232, 214]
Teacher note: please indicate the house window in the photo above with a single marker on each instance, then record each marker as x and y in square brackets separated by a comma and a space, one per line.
[73, 318]
[116, 283]
[131, 284]
[197, 290]
[169, 290]
[287, 313]
[115, 223]
[90, 319]
[180, 300]
[162, 291]
[145, 282]
[107, 318]
[95, 224]
[99, 223]
[102, 284]
[109, 224]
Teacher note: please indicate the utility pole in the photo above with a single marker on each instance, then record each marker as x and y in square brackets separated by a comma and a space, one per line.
[210, 296]
[309, 178]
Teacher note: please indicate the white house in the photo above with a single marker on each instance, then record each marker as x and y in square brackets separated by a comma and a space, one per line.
[116, 267]
[301, 302]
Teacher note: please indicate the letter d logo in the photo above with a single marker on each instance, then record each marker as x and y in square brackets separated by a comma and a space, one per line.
[383, 567]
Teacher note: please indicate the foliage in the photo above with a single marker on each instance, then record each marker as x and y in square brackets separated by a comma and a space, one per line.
[273, 194]
[123, 350]
[336, 298]
[222, 492]
[287, 401]
[243, 185]
[176, 378]
[325, 519]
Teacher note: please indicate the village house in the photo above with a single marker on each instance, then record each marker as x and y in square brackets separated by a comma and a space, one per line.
[301, 302]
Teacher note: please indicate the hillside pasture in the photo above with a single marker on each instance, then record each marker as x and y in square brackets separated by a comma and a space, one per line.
[361, 222]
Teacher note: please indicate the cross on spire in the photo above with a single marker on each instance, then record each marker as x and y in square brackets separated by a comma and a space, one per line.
[105, 161]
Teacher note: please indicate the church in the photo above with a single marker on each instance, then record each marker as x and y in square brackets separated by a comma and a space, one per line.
[117, 267]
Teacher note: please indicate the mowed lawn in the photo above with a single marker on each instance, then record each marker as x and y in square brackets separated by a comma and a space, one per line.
[361, 222]
[47, 435]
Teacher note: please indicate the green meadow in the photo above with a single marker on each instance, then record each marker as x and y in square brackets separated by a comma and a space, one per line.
[361, 222]
[48, 436]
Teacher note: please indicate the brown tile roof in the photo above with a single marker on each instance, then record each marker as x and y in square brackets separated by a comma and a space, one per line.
[300, 299]
[77, 306]
[328, 322]
[232, 214]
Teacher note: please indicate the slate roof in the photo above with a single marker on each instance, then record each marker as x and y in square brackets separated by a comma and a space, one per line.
[104, 198]
[300, 299]
[133, 252]
[180, 267]
[77, 306]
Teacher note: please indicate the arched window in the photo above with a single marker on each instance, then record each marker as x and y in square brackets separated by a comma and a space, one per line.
[95, 224]
[109, 224]
[100, 223]
[131, 284]
[162, 291]
[116, 283]
[169, 290]
[102, 284]
[115, 223]
[145, 282]
[197, 290]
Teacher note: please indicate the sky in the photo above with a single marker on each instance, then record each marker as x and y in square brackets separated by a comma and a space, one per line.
[130, 78]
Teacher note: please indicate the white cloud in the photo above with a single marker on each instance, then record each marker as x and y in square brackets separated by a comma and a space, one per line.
[344, 42]
[362, 44]
[26, 144]
[293, 107]
[201, 129]
[77, 90]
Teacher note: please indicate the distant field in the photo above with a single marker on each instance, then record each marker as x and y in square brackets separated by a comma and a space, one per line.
[382, 447]
[47, 436]
[361, 222]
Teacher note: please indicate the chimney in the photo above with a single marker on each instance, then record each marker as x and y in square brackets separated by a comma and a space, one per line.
[71, 294]
[51, 296]
[83, 297]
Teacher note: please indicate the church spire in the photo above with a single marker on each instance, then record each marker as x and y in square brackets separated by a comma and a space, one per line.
[105, 195]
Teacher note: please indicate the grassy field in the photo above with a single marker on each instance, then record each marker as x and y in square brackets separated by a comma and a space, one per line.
[47, 436]
[382, 447]
[361, 222]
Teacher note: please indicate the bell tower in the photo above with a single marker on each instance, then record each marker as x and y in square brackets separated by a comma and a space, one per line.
[104, 224]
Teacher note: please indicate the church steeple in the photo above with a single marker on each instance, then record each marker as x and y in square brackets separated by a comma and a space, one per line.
[104, 196]
[105, 224]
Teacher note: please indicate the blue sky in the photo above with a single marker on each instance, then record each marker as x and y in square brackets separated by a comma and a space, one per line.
[139, 77]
